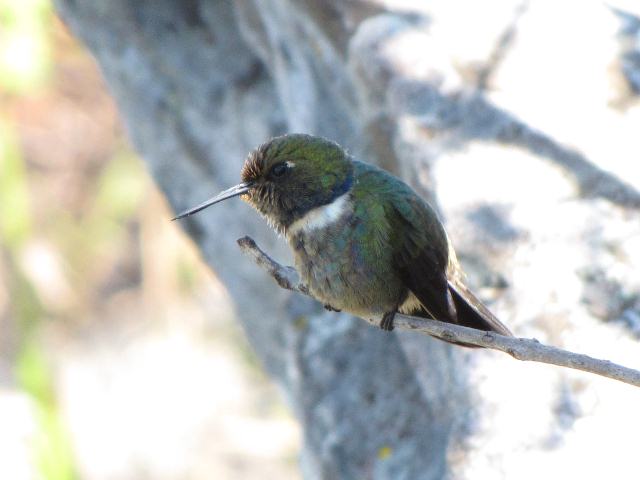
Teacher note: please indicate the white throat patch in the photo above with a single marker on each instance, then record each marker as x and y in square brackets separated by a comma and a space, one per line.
[323, 216]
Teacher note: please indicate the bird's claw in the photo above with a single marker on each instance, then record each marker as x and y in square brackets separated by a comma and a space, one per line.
[387, 321]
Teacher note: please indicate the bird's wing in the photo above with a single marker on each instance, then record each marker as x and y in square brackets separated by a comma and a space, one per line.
[405, 233]
[421, 255]
[424, 258]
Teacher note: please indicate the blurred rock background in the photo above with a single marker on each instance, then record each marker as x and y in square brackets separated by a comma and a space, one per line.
[120, 353]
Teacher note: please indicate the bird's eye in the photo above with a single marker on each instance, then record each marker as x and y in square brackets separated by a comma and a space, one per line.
[279, 169]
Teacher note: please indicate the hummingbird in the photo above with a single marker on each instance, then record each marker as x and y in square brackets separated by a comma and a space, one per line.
[364, 242]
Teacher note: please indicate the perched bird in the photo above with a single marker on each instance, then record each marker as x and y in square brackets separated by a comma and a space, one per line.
[363, 240]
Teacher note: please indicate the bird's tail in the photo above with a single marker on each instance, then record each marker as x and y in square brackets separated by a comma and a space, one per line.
[471, 312]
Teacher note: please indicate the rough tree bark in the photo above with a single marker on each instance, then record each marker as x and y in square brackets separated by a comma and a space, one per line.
[449, 98]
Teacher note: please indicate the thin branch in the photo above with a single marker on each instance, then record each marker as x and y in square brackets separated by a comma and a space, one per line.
[519, 348]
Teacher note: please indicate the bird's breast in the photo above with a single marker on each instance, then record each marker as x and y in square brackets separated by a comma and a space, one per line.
[331, 250]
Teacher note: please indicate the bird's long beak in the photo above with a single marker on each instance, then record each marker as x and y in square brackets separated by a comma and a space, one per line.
[240, 189]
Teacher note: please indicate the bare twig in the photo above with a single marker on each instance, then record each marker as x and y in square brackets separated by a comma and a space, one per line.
[519, 348]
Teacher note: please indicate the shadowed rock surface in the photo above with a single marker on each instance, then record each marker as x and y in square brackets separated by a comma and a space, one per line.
[521, 132]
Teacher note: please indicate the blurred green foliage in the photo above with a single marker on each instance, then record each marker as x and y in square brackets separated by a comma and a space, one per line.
[51, 446]
[120, 188]
[80, 237]
[114, 200]
[114, 192]
[25, 55]
[25, 66]
[15, 225]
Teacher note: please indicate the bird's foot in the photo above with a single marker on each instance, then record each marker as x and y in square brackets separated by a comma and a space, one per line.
[387, 321]
[330, 308]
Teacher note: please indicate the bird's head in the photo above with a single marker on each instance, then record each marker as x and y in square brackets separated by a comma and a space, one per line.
[287, 176]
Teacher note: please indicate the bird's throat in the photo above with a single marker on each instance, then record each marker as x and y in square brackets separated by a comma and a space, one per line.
[323, 216]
